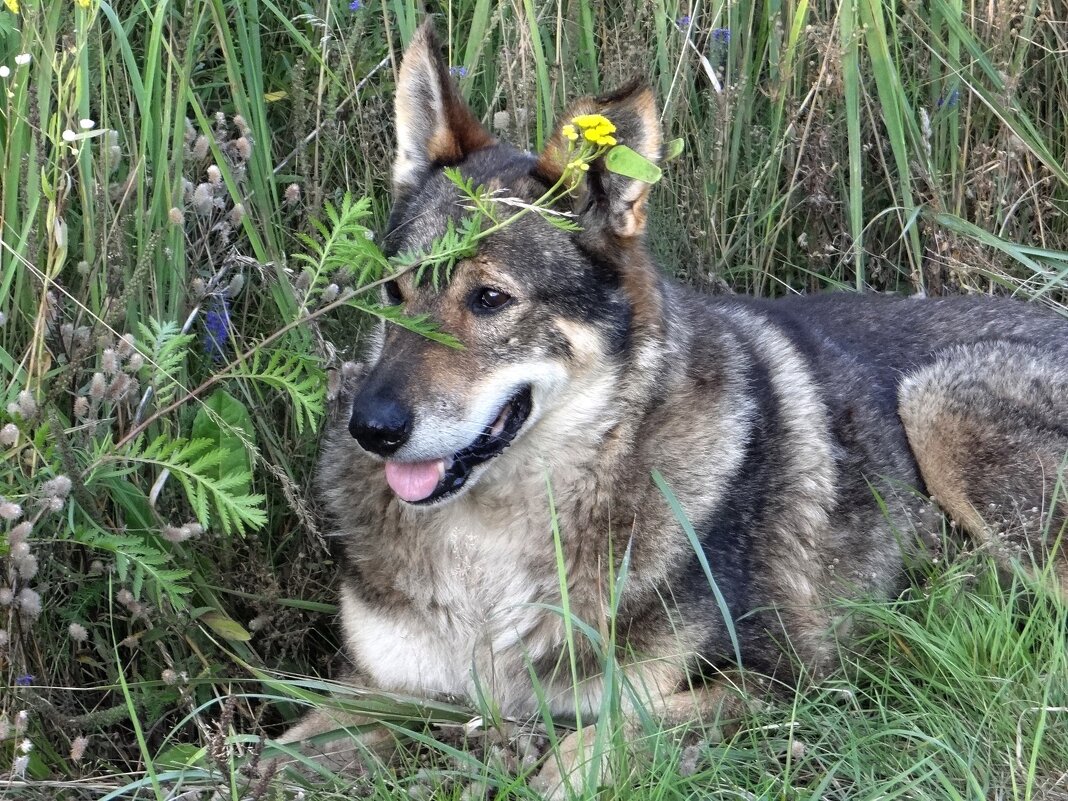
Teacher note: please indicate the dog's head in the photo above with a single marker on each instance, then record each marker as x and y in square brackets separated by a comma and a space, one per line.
[547, 317]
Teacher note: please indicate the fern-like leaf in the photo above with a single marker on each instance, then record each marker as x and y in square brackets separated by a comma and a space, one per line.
[298, 377]
[190, 463]
[165, 347]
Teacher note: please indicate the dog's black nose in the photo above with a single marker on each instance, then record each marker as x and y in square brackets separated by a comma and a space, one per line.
[380, 425]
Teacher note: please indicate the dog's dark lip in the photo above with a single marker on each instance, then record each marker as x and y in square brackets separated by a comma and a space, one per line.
[488, 445]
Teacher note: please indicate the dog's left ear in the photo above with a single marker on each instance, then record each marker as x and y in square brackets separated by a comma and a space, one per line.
[434, 124]
[609, 203]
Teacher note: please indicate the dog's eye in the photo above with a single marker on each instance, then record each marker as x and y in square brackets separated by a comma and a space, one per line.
[488, 300]
[393, 293]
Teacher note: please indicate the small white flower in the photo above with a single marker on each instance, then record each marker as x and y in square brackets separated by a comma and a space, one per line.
[18, 767]
[25, 746]
[22, 59]
[69, 135]
[86, 125]
[5, 71]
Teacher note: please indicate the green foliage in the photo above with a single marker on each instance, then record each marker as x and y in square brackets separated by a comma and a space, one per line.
[226, 422]
[298, 377]
[165, 348]
[194, 464]
[344, 247]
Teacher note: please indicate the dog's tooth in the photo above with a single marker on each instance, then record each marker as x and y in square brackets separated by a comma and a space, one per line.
[447, 463]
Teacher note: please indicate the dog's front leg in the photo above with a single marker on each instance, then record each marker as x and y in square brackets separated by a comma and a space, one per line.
[581, 760]
[355, 736]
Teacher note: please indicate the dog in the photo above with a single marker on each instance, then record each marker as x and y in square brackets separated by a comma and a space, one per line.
[598, 409]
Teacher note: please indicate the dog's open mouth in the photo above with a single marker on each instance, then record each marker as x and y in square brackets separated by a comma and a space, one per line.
[426, 482]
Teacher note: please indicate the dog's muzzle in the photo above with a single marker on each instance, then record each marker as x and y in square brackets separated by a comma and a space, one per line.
[427, 482]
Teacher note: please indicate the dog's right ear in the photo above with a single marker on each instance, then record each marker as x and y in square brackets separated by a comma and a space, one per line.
[434, 124]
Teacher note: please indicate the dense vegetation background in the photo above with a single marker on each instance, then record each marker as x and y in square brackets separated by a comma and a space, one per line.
[188, 193]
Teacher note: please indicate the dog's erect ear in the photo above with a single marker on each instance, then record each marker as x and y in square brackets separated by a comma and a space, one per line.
[608, 201]
[434, 124]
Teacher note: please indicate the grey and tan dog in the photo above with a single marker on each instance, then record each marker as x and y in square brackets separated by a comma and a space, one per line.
[802, 437]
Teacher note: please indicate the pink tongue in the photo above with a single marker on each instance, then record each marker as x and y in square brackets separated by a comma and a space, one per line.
[414, 481]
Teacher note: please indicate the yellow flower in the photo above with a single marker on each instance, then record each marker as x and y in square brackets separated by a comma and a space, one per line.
[596, 128]
[83, 3]
[585, 121]
[12, 6]
[570, 132]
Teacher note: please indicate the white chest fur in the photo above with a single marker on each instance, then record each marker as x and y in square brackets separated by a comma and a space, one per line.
[475, 613]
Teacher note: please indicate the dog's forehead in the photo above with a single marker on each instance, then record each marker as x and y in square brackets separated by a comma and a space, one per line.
[420, 217]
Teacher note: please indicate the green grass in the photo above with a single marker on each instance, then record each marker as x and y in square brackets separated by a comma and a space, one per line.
[902, 147]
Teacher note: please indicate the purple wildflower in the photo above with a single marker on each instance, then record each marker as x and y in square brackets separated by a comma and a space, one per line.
[217, 330]
[355, 5]
[950, 100]
[683, 22]
[721, 36]
[458, 71]
[24, 680]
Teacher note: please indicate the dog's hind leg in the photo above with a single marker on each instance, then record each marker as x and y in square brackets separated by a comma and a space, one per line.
[988, 424]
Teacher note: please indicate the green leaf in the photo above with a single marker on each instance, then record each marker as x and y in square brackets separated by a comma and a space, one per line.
[225, 421]
[180, 756]
[225, 627]
[631, 164]
[674, 149]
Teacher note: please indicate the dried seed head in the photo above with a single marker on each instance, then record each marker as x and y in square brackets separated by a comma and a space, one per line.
[29, 603]
[19, 533]
[502, 121]
[203, 200]
[125, 597]
[96, 567]
[109, 361]
[330, 293]
[10, 511]
[77, 632]
[169, 677]
[98, 386]
[81, 407]
[241, 125]
[55, 504]
[60, 485]
[176, 216]
[137, 361]
[9, 434]
[214, 175]
[243, 148]
[292, 194]
[6, 596]
[175, 534]
[77, 748]
[126, 346]
[27, 404]
[200, 148]
[237, 214]
[20, 550]
[237, 283]
[27, 567]
[118, 387]
[198, 288]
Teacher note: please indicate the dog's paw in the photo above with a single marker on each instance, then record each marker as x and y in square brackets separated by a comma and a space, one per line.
[569, 771]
